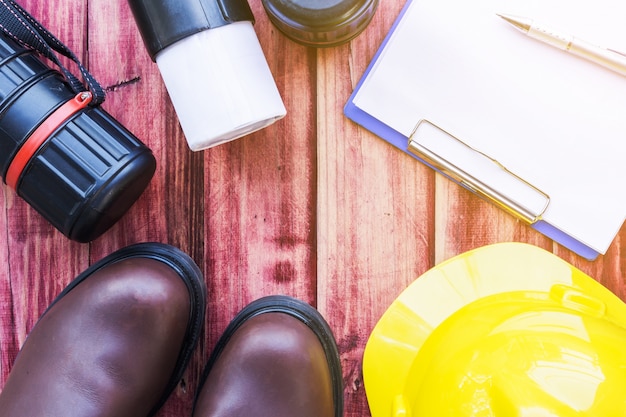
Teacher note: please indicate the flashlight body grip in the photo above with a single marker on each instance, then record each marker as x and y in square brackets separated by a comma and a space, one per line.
[86, 171]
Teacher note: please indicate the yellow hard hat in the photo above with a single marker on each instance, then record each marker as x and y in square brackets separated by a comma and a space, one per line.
[506, 330]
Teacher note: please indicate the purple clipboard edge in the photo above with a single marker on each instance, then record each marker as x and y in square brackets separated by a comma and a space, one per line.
[352, 112]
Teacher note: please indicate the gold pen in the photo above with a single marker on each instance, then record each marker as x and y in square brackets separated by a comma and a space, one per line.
[608, 58]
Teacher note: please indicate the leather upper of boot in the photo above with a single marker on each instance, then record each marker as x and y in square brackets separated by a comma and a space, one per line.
[106, 348]
[273, 365]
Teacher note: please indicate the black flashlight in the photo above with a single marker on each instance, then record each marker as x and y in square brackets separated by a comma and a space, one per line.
[72, 162]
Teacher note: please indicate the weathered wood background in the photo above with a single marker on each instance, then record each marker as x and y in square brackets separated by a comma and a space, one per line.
[313, 206]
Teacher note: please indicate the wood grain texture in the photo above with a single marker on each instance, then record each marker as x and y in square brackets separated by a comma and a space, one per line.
[32, 275]
[375, 210]
[260, 196]
[313, 206]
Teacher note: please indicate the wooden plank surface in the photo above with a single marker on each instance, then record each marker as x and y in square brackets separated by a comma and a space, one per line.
[375, 210]
[312, 206]
[38, 261]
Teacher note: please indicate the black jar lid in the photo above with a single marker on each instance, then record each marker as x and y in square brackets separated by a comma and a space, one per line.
[164, 22]
[320, 22]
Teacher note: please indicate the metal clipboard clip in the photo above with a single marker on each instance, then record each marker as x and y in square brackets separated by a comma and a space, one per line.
[477, 172]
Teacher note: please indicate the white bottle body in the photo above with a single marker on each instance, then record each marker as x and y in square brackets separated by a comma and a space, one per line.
[220, 85]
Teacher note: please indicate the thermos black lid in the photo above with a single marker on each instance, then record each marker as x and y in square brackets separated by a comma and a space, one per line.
[164, 22]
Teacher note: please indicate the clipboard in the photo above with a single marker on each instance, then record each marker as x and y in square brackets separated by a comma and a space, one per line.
[489, 179]
[414, 96]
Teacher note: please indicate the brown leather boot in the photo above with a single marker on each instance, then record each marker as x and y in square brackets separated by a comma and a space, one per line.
[277, 358]
[115, 342]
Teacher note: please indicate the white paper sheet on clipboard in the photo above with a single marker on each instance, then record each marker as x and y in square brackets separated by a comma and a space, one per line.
[551, 118]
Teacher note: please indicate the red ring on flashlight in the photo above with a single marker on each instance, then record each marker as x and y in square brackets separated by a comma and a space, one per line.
[42, 133]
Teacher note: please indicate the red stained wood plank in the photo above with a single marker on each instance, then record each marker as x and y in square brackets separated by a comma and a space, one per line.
[32, 273]
[170, 210]
[375, 210]
[260, 195]
[465, 222]
[9, 344]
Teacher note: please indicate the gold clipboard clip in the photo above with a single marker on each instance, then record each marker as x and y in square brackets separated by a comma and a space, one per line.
[477, 172]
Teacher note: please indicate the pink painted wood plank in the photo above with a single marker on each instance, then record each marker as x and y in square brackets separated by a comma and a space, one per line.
[38, 261]
[260, 196]
[375, 219]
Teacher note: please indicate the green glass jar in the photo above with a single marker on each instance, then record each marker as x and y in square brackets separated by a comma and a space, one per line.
[320, 23]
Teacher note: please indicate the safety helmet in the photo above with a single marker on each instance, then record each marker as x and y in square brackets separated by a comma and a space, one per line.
[506, 330]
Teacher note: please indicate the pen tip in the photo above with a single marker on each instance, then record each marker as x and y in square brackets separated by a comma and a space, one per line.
[520, 23]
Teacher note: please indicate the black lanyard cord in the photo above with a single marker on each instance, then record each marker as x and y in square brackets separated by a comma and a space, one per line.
[18, 24]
